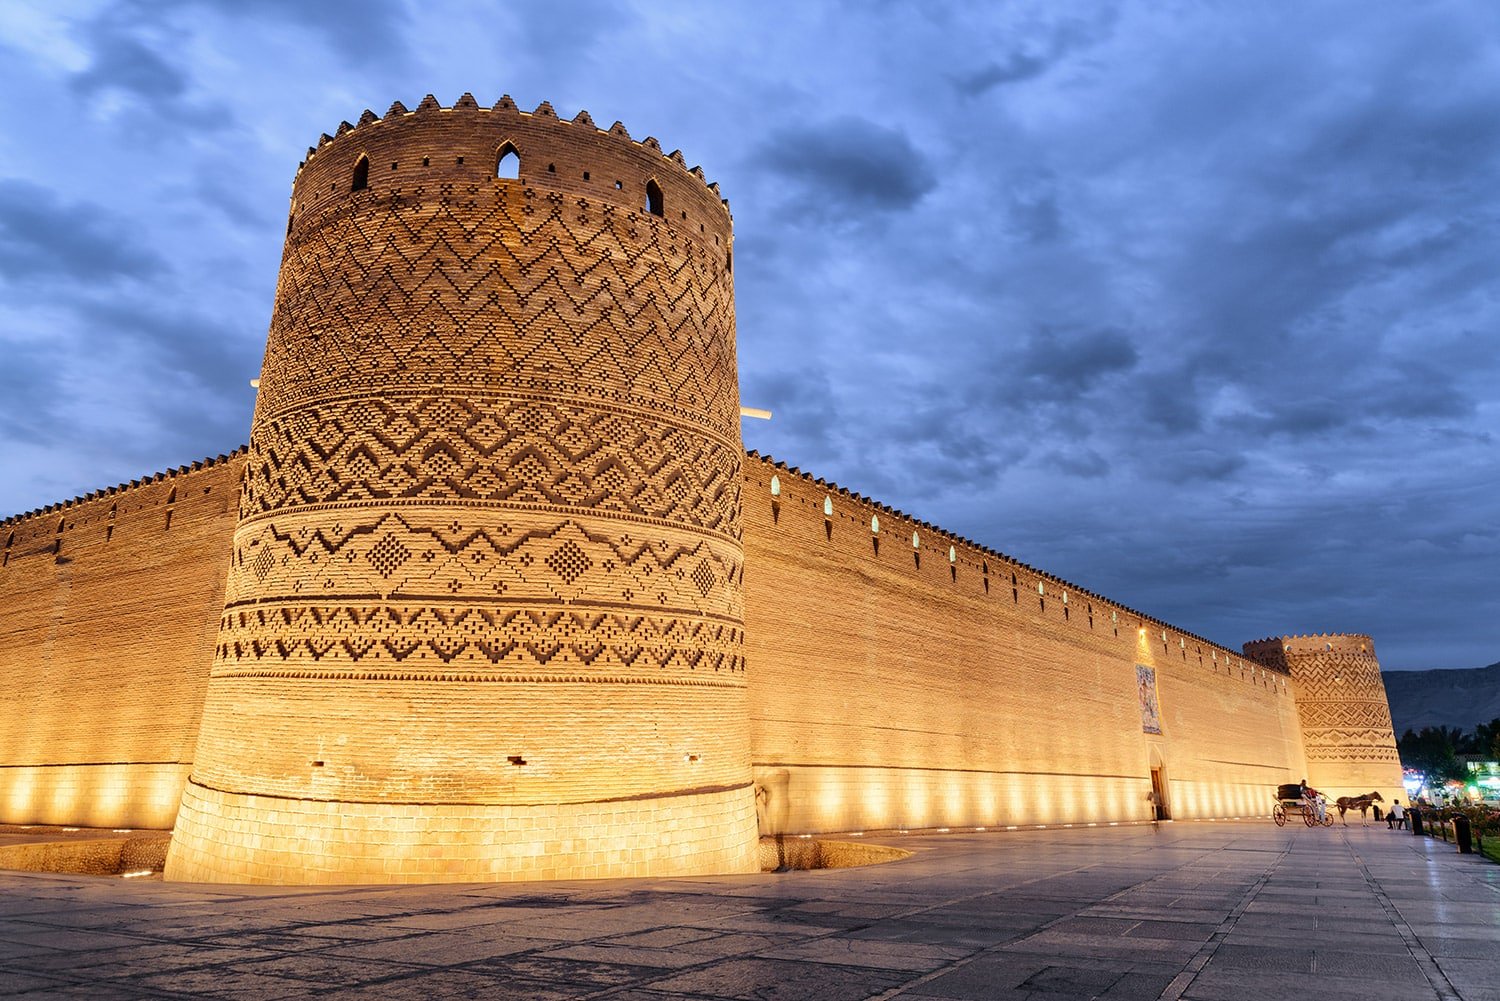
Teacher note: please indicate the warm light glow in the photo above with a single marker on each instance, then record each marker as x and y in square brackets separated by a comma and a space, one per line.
[135, 873]
[756, 412]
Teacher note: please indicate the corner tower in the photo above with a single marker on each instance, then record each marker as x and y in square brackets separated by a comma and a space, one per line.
[1346, 720]
[484, 614]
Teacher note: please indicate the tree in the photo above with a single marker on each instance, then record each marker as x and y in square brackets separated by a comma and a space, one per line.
[1433, 752]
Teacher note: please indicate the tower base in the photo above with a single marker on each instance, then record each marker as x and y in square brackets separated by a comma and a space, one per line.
[235, 838]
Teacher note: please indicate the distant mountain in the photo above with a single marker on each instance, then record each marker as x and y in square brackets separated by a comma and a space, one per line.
[1462, 698]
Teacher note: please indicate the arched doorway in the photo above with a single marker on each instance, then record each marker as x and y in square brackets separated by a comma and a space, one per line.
[1161, 806]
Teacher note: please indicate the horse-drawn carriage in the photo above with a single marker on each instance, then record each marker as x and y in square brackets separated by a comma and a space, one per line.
[1290, 803]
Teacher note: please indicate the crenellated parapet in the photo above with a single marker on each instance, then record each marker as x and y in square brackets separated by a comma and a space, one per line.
[119, 488]
[972, 564]
[58, 530]
[649, 148]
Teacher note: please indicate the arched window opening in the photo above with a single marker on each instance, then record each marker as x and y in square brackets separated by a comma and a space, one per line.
[361, 174]
[508, 163]
[655, 204]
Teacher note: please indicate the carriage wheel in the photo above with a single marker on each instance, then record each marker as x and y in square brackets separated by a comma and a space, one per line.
[1327, 820]
[1278, 814]
[1309, 817]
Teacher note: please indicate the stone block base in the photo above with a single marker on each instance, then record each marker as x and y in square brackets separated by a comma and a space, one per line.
[234, 838]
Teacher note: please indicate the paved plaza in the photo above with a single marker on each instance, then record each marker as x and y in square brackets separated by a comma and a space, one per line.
[1187, 910]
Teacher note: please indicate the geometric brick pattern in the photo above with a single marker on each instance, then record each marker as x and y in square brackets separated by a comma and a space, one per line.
[1347, 735]
[496, 440]
[490, 596]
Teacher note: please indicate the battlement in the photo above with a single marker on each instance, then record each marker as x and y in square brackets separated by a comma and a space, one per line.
[409, 154]
[151, 478]
[957, 550]
[507, 104]
[1275, 650]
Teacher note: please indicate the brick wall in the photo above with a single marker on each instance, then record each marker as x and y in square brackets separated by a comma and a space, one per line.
[107, 623]
[896, 688]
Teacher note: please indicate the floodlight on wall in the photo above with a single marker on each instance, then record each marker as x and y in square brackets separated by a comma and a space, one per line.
[874, 524]
[827, 507]
[254, 383]
[775, 485]
[916, 543]
[952, 555]
[756, 412]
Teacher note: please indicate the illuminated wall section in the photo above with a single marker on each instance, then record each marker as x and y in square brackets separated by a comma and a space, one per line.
[108, 612]
[1345, 717]
[484, 614]
[905, 678]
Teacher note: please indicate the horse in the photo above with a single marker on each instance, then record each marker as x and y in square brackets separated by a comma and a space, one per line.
[1360, 803]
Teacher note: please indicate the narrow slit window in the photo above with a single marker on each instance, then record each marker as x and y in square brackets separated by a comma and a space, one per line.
[655, 204]
[508, 163]
[361, 174]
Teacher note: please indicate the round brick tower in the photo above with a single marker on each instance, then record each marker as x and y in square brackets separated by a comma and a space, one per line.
[484, 612]
[1341, 703]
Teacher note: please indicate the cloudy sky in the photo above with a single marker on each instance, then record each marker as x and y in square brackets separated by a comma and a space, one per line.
[1193, 304]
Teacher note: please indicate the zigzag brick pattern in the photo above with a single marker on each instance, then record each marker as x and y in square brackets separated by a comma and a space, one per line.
[488, 556]
[1345, 717]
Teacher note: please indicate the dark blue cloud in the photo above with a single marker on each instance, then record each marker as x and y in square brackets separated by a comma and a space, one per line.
[44, 237]
[847, 165]
[1071, 362]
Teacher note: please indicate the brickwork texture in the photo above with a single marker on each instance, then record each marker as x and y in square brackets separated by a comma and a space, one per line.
[486, 575]
[902, 677]
[495, 593]
[104, 647]
[1345, 716]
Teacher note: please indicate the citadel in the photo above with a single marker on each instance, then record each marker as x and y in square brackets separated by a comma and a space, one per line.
[494, 592]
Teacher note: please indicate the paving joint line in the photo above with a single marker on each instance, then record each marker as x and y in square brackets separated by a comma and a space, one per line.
[1429, 966]
[832, 932]
[1184, 980]
[999, 946]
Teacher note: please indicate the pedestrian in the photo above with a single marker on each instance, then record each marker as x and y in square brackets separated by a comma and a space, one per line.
[1398, 814]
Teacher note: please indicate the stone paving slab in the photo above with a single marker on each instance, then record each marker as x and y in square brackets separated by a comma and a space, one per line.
[1184, 912]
